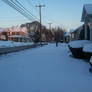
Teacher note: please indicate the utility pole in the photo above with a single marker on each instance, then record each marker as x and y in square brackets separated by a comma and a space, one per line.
[40, 13]
[50, 25]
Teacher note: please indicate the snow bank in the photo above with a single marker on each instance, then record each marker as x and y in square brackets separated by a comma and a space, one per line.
[5, 44]
[78, 43]
[88, 48]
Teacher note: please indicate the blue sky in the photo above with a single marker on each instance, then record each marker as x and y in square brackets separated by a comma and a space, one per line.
[66, 13]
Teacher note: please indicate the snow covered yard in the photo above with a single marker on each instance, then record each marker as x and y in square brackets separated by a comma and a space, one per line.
[6, 44]
[46, 69]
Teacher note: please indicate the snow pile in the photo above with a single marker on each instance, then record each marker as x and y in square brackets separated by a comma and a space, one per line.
[5, 44]
[78, 43]
[88, 48]
[21, 44]
[91, 60]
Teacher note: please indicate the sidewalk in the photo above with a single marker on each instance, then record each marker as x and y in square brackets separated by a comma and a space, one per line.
[46, 69]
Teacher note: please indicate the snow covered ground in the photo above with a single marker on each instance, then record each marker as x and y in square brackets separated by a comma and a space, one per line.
[46, 69]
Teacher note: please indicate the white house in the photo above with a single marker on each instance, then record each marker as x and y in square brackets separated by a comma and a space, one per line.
[87, 19]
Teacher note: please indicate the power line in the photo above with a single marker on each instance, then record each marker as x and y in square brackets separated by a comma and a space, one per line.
[22, 8]
[18, 8]
[29, 2]
[26, 9]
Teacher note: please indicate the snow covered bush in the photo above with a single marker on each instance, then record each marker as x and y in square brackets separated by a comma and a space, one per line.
[76, 47]
[88, 48]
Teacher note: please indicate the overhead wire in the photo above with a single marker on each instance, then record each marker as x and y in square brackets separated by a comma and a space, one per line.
[26, 9]
[20, 8]
[29, 2]
[17, 9]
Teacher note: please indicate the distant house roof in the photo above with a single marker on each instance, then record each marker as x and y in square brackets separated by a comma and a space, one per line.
[87, 11]
[67, 34]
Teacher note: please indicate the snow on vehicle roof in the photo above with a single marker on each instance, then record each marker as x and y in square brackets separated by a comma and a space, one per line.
[78, 43]
[88, 48]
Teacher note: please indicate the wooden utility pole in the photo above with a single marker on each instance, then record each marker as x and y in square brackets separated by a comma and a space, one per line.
[40, 13]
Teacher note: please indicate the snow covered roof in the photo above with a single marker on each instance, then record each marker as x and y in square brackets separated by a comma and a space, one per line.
[71, 30]
[67, 34]
[24, 29]
[18, 29]
[87, 11]
[18, 36]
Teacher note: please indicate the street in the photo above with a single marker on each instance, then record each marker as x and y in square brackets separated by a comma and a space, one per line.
[44, 69]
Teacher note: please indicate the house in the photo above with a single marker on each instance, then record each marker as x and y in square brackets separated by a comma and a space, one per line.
[18, 34]
[32, 27]
[78, 33]
[15, 33]
[87, 19]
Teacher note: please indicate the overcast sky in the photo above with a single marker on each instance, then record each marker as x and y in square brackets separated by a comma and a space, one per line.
[66, 13]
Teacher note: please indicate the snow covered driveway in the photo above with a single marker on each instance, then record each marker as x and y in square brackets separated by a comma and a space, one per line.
[46, 69]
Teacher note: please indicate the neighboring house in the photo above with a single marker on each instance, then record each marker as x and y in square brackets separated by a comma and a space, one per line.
[78, 33]
[87, 19]
[32, 27]
[17, 34]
